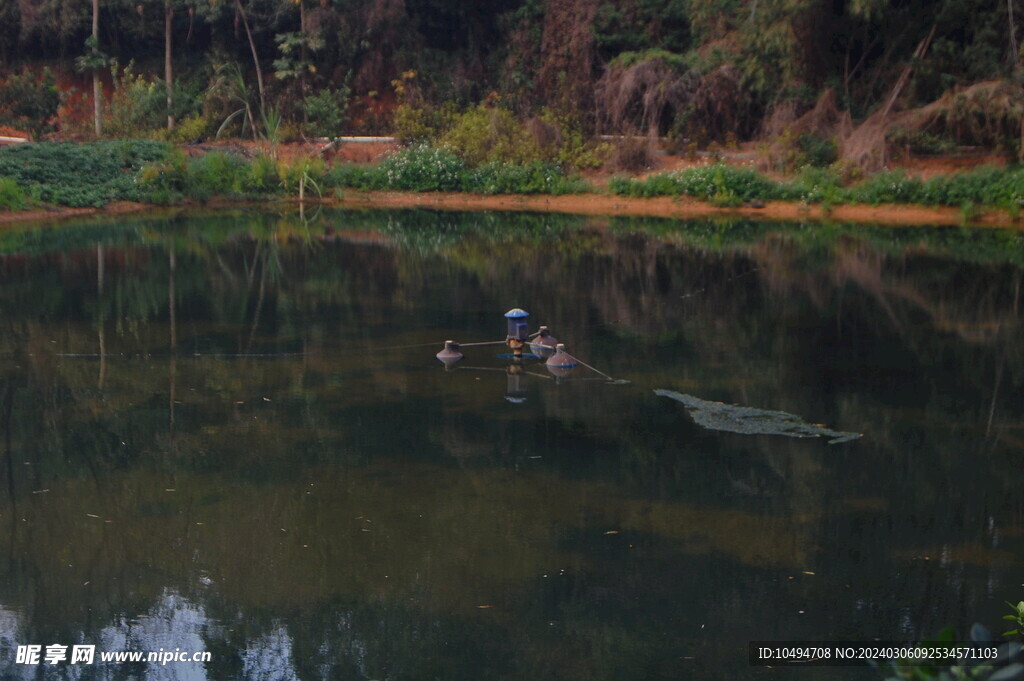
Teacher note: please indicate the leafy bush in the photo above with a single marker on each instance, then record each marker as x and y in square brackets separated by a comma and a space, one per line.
[423, 169]
[816, 151]
[137, 107]
[484, 134]
[815, 185]
[216, 174]
[327, 111]
[263, 176]
[426, 168]
[356, 176]
[891, 186]
[532, 178]
[185, 131]
[303, 174]
[29, 102]
[722, 184]
[417, 125]
[12, 197]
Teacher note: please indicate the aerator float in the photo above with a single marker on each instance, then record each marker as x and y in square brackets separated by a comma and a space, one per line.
[525, 347]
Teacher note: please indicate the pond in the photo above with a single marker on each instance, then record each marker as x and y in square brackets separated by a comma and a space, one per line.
[228, 433]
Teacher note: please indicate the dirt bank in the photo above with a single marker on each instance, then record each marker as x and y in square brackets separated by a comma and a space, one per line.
[599, 204]
[679, 208]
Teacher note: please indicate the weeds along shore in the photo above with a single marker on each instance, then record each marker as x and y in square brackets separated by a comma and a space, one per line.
[94, 174]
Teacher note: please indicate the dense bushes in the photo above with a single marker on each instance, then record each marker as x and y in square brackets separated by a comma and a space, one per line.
[720, 184]
[728, 185]
[12, 196]
[29, 102]
[424, 168]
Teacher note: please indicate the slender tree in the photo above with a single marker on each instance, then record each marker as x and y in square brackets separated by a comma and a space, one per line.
[168, 68]
[96, 94]
[255, 58]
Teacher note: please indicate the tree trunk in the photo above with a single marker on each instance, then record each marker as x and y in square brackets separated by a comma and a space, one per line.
[168, 69]
[255, 58]
[96, 93]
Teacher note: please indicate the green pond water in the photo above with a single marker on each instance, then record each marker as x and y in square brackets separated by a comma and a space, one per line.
[229, 433]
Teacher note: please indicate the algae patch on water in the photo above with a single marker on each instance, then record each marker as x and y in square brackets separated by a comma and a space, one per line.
[751, 421]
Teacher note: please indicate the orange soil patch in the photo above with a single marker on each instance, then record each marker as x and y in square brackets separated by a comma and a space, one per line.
[8, 131]
[668, 207]
[116, 208]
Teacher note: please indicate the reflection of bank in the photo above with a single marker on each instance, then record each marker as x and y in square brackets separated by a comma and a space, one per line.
[543, 347]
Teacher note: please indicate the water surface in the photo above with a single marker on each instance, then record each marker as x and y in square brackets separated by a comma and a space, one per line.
[229, 433]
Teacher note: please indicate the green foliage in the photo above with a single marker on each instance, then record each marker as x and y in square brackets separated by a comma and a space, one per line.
[484, 134]
[216, 174]
[229, 91]
[81, 174]
[1017, 618]
[815, 185]
[186, 130]
[571, 149]
[212, 175]
[890, 186]
[327, 111]
[536, 177]
[816, 151]
[29, 102]
[12, 196]
[92, 58]
[302, 174]
[416, 125]
[423, 169]
[719, 183]
[137, 107]
[263, 176]
[727, 185]
[294, 48]
[636, 25]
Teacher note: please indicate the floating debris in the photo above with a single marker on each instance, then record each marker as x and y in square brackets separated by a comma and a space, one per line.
[750, 421]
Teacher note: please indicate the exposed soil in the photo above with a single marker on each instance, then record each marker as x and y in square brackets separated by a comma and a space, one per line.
[667, 207]
[598, 204]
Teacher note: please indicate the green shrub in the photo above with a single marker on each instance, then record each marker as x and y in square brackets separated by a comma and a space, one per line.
[326, 111]
[29, 102]
[816, 151]
[485, 134]
[569, 147]
[186, 130]
[137, 107]
[891, 186]
[263, 176]
[814, 185]
[532, 178]
[722, 184]
[356, 176]
[215, 174]
[423, 169]
[12, 196]
[417, 125]
[307, 173]
[211, 175]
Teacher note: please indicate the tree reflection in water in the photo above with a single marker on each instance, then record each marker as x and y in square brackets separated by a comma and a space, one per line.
[205, 445]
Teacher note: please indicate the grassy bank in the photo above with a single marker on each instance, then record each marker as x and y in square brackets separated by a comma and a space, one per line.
[95, 174]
